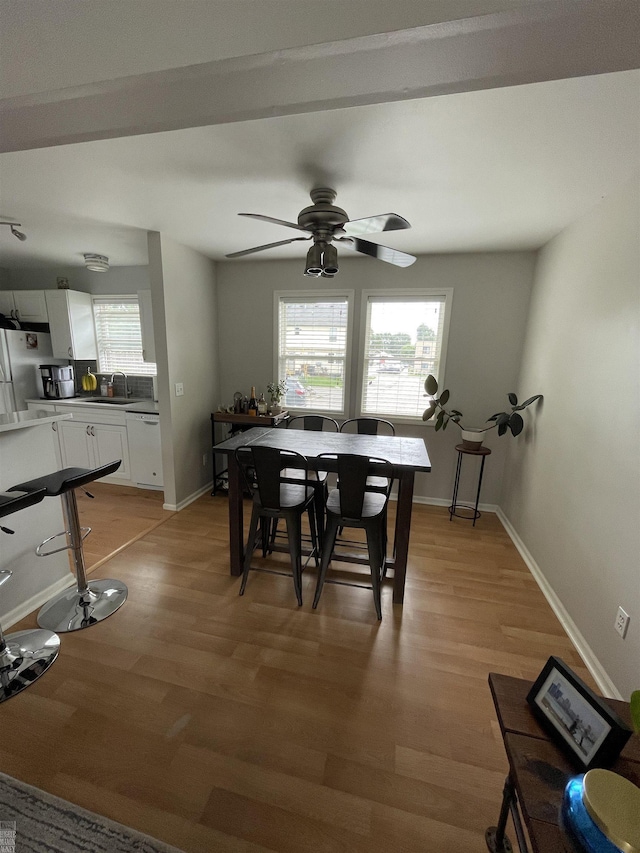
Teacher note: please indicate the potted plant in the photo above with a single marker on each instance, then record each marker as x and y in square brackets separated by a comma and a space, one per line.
[472, 438]
[276, 391]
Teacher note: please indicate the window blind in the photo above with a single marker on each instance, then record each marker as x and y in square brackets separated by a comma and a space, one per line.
[312, 350]
[119, 339]
[403, 344]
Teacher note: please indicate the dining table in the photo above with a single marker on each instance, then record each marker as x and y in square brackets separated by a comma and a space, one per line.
[406, 455]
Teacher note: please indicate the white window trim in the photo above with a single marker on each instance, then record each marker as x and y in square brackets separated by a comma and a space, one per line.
[309, 295]
[414, 292]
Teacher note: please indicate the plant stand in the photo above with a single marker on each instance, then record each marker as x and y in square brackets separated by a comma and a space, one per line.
[455, 506]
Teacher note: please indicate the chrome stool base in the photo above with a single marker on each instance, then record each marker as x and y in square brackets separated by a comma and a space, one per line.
[26, 656]
[72, 610]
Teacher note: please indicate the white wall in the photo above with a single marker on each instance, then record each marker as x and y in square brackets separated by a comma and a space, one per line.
[119, 280]
[183, 292]
[572, 488]
[490, 302]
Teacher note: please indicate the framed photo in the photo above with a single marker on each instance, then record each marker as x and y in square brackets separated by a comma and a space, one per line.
[580, 721]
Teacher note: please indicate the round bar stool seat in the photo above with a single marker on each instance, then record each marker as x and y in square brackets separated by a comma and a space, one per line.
[88, 603]
[24, 655]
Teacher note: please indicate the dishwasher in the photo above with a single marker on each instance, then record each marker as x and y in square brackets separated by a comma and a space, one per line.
[145, 453]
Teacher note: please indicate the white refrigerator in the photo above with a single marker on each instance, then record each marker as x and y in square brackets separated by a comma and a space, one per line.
[21, 354]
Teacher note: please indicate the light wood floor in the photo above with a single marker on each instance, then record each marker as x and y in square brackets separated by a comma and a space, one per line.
[117, 516]
[220, 723]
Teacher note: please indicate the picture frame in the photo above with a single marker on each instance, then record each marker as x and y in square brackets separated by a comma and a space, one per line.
[582, 723]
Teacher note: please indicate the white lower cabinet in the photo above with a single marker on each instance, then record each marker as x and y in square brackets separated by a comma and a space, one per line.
[50, 409]
[89, 445]
[75, 446]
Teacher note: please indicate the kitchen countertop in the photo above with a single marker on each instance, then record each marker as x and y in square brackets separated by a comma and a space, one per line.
[20, 420]
[140, 406]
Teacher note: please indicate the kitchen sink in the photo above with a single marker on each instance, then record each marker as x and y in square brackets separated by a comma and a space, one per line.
[115, 401]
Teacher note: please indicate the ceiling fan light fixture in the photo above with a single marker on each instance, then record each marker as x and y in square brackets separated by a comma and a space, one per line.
[330, 260]
[323, 222]
[314, 260]
[14, 230]
[96, 263]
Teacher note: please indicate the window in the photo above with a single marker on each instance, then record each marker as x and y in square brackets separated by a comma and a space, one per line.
[117, 322]
[313, 335]
[404, 341]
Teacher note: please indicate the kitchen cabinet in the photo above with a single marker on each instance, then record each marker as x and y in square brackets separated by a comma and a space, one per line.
[7, 305]
[89, 445]
[50, 409]
[28, 306]
[71, 324]
[91, 439]
[146, 326]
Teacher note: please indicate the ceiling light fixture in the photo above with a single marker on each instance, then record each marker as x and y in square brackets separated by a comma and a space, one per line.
[96, 263]
[322, 260]
[22, 237]
[314, 260]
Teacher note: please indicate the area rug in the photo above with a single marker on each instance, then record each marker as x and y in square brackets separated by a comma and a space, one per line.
[32, 821]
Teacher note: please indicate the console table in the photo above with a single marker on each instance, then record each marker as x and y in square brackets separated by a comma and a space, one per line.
[239, 423]
[539, 771]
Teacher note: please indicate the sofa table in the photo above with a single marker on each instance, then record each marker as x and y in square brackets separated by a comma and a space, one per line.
[539, 771]
[239, 423]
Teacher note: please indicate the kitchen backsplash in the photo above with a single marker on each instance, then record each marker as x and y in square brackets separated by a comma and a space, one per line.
[139, 386]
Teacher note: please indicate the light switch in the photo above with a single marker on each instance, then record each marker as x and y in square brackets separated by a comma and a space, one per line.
[179, 389]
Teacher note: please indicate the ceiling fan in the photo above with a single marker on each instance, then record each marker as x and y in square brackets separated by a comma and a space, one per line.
[325, 223]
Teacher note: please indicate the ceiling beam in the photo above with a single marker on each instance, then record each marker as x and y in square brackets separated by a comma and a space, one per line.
[546, 41]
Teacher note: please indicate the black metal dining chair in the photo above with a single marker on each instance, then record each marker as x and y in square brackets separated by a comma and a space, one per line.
[316, 479]
[274, 498]
[354, 505]
[370, 426]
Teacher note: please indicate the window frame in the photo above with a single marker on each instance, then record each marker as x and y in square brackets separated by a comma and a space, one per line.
[117, 297]
[397, 294]
[312, 296]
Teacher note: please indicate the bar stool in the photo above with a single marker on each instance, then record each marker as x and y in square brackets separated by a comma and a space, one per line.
[88, 603]
[24, 655]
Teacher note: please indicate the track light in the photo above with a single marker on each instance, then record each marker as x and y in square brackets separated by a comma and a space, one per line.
[96, 263]
[22, 237]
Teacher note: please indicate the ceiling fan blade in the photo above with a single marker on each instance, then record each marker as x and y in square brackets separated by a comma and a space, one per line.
[375, 224]
[382, 253]
[266, 246]
[275, 221]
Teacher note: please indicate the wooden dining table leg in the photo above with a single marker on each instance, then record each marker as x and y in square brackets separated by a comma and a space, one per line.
[236, 517]
[403, 525]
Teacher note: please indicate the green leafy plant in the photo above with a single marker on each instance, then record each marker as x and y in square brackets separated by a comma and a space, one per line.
[509, 420]
[277, 390]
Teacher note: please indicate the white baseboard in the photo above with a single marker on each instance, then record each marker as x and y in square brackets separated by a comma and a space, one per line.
[418, 499]
[35, 602]
[192, 497]
[592, 663]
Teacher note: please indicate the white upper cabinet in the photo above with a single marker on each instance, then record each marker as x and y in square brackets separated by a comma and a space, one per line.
[71, 324]
[146, 326]
[7, 305]
[29, 306]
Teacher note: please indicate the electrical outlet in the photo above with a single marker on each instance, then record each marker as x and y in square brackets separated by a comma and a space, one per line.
[622, 622]
[179, 389]
[204, 460]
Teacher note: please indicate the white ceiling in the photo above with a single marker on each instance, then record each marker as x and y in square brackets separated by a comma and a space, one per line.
[497, 169]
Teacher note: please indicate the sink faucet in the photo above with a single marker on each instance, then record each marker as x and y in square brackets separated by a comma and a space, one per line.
[126, 383]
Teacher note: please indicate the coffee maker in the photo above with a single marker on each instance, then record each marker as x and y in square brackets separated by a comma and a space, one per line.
[57, 381]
